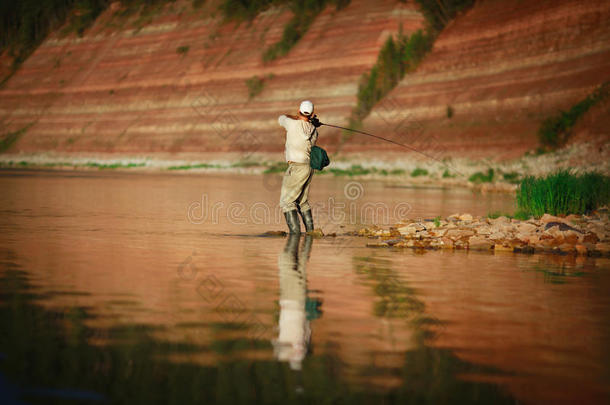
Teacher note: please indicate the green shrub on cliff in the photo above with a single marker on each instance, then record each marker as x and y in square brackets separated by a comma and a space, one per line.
[255, 85]
[438, 13]
[396, 57]
[450, 112]
[563, 193]
[555, 131]
[244, 10]
[25, 24]
[402, 55]
[304, 13]
[8, 139]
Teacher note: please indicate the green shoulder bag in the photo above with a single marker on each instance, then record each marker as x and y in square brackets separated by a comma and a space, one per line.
[318, 158]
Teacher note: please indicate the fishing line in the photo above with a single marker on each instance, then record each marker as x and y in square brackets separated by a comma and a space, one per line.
[390, 141]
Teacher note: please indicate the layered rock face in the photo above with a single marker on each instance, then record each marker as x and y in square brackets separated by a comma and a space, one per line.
[178, 83]
[496, 72]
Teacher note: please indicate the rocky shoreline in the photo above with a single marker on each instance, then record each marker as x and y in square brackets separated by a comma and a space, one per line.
[586, 235]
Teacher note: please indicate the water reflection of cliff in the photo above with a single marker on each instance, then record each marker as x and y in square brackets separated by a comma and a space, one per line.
[51, 351]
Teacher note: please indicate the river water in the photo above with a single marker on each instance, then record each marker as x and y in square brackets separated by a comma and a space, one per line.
[151, 288]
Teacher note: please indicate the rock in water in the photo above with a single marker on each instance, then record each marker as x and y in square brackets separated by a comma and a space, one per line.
[562, 226]
[317, 233]
[479, 243]
[459, 233]
[465, 217]
[275, 233]
[407, 230]
[377, 244]
[392, 242]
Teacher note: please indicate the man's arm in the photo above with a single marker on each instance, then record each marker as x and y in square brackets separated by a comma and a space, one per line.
[282, 120]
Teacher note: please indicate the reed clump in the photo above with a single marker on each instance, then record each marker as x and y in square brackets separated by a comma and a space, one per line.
[563, 193]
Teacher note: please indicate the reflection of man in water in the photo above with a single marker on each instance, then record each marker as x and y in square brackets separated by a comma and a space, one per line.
[293, 340]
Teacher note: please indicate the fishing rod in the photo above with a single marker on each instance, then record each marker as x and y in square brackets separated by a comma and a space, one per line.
[387, 140]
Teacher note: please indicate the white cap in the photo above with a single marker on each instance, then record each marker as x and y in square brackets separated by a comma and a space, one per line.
[306, 107]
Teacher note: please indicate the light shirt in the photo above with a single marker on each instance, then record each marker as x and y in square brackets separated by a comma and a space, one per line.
[300, 137]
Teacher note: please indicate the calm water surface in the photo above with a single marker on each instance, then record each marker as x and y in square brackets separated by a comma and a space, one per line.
[146, 288]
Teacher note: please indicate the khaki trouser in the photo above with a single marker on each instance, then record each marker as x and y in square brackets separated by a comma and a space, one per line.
[295, 187]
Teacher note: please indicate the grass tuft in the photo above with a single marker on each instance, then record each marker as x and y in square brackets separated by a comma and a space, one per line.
[246, 163]
[195, 166]
[354, 170]
[479, 177]
[563, 193]
[512, 177]
[521, 215]
[447, 174]
[278, 167]
[419, 172]
[113, 165]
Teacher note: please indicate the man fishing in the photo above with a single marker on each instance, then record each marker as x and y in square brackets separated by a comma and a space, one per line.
[301, 135]
[302, 155]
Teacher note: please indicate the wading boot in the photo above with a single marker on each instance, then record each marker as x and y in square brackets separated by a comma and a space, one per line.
[307, 220]
[292, 220]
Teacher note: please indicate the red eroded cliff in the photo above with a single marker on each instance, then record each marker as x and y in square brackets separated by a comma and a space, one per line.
[499, 70]
[179, 82]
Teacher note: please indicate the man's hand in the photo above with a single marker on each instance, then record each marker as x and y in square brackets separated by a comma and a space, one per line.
[315, 121]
